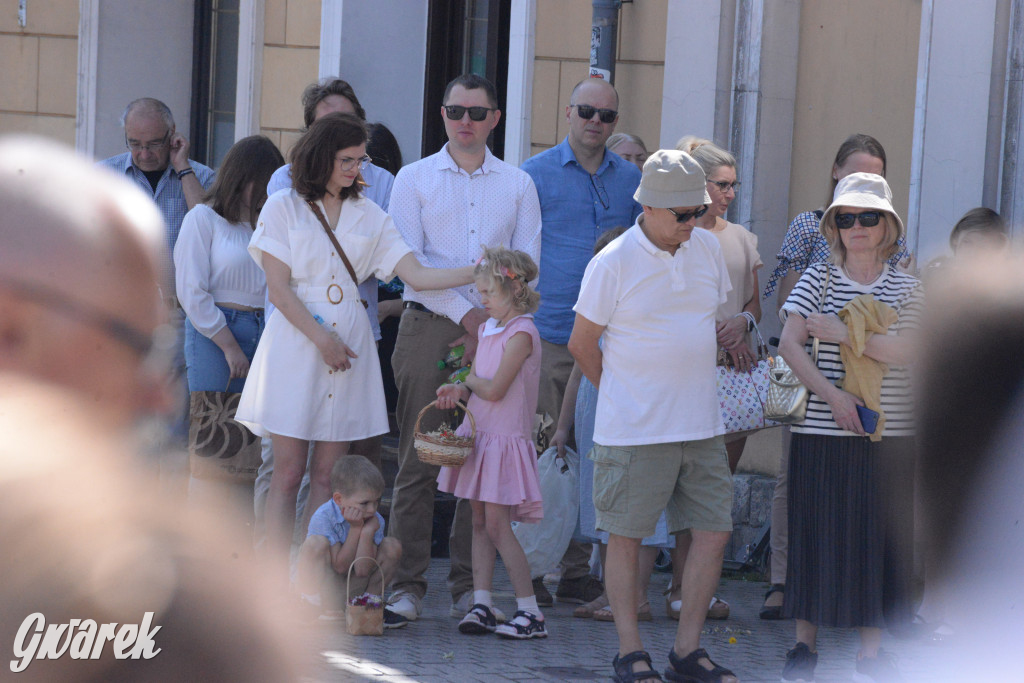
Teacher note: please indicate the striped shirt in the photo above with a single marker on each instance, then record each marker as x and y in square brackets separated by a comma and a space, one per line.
[901, 291]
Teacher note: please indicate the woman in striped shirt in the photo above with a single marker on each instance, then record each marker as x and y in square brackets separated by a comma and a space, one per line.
[851, 497]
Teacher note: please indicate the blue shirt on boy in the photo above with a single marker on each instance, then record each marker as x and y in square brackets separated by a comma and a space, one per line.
[576, 207]
[327, 521]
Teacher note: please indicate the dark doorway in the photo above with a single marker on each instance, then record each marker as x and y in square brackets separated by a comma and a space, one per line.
[464, 36]
[214, 80]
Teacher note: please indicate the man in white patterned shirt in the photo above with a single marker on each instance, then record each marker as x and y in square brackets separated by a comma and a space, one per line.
[448, 206]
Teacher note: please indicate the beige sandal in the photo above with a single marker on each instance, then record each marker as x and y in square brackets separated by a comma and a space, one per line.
[643, 613]
[717, 610]
[587, 611]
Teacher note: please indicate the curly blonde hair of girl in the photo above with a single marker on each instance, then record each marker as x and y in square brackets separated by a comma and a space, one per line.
[510, 271]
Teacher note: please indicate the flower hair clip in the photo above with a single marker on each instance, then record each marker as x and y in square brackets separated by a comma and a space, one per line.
[501, 269]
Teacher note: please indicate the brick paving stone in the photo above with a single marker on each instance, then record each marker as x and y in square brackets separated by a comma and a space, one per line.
[431, 650]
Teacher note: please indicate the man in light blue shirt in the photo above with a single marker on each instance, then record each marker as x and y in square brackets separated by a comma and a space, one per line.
[584, 190]
[157, 162]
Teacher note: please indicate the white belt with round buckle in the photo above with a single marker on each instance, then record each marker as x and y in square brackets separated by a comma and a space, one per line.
[341, 293]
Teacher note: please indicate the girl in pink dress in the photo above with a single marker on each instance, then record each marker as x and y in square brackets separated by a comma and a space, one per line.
[500, 476]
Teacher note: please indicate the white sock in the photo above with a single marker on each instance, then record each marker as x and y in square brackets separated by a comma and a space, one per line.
[313, 599]
[529, 605]
[482, 598]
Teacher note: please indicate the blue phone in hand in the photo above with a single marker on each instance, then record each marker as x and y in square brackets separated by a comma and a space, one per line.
[868, 419]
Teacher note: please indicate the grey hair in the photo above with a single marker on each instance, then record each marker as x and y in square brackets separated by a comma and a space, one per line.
[149, 105]
[709, 155]
[617, 139]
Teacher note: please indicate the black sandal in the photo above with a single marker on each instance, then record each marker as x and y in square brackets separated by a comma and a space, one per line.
[688, 669]
[774, 612]
[512, 629]
[624, 668]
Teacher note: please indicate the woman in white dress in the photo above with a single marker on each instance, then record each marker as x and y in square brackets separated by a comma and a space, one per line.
[315, 376]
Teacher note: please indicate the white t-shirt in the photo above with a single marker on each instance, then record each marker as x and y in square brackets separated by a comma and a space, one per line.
[212, 264]
[658, 381]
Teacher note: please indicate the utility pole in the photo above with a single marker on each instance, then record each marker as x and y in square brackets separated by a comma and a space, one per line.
[603, 34]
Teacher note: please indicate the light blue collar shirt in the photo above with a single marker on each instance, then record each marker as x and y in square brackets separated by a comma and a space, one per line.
[576, 207]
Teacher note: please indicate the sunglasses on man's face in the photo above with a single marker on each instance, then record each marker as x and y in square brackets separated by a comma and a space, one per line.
[687, 215]
[455, 112]
[586, 112]
[867, 219]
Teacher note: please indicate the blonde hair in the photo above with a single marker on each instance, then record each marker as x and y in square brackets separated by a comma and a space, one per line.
[709, 155]
[618, 138]
[510, 271]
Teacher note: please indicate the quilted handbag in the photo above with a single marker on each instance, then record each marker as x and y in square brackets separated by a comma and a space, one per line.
[787, 396]
[742, 395]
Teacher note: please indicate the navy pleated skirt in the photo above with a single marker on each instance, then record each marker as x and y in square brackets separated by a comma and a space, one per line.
[851, 531]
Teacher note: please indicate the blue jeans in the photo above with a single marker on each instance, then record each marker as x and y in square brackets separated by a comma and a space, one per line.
[207, 368]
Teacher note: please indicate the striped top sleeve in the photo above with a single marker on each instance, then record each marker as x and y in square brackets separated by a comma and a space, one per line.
[901, 291]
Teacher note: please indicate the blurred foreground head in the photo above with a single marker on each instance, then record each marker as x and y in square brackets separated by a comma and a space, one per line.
[83, 540]
[78, 284]
[971, 435]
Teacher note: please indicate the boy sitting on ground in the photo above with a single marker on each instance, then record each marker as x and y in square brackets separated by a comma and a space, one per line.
[344, 529]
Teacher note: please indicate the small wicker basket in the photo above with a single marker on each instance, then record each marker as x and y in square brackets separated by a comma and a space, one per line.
[444, 451]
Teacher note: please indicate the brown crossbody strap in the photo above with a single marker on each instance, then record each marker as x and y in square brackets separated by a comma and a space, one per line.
[337, 245]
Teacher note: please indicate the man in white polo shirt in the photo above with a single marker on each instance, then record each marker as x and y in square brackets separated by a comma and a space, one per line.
[654, 294]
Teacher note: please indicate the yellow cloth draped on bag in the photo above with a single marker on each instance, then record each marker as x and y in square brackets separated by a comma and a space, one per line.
[864, 316]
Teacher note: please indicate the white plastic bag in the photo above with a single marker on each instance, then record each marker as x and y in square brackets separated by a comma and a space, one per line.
[545, 542]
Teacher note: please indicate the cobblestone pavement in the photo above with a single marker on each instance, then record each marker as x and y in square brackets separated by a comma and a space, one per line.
[432, 650]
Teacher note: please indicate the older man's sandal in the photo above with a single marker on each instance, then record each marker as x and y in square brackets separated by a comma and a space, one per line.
[688, 669]
[624, 668]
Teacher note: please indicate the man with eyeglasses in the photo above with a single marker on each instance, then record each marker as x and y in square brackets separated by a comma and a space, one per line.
[584, 189]
[652, 298]
[78, 281]
[157, 162]
[448, 206]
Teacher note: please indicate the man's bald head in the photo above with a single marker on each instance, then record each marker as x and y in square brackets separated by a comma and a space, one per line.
[78, 254]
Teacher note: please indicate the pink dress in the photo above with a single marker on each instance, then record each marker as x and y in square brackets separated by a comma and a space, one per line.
[503, 465]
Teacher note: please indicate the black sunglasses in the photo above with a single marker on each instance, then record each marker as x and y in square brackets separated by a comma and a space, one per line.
[455, 112]
[867, 219]
[585, 111]
[687, 215]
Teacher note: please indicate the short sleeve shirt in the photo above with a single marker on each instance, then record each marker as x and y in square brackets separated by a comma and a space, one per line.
[658, 382]
[576, 207]
[901, 291]
[327, 521]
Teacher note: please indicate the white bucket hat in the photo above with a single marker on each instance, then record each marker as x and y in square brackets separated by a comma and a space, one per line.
[672, 178]
[862, 191]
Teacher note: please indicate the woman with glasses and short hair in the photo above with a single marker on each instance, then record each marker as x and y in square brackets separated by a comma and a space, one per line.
[851, 459]
[315, 376]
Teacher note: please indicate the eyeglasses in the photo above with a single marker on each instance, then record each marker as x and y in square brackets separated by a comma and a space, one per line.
[139, 342]
[724, 186]
[136, 146]
[348, 163]
[455, 112]
[687, 215]
[602, 194]
[867, 219]
[586, 112]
